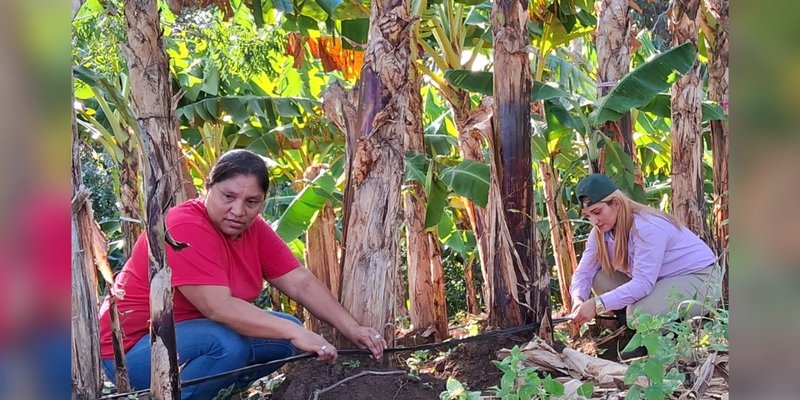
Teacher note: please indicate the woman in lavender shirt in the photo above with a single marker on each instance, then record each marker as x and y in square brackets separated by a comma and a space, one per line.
[636, 257]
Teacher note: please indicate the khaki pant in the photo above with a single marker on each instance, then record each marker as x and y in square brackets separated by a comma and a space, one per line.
[704, 286]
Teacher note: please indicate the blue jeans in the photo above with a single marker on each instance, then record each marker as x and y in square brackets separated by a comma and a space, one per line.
[208, 348]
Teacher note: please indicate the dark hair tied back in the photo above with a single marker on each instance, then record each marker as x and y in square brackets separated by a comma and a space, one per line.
[239, 162]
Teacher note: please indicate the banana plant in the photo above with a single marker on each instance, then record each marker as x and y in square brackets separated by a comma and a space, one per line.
[640, 90]
[107, 116]
[454, 35]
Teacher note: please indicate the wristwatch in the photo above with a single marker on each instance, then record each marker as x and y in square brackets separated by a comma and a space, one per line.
[599, 307]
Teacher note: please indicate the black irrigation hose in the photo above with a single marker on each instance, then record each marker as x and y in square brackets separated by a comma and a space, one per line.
[449, 343]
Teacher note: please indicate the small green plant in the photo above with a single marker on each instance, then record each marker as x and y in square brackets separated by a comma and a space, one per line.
[457, 391]
[662, 352]
[351, 364]
[716, 331]
[561, 336]
[417, 360]
[226, 393]
[523, 383]
[668, 338]
[582, 330]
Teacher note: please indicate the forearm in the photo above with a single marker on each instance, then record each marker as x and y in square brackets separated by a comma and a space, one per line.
[589, 265]
[249, 320]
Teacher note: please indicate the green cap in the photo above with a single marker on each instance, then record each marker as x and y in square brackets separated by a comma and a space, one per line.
[594, 188]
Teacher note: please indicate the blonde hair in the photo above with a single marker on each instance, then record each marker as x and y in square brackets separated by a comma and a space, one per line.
[622, 230]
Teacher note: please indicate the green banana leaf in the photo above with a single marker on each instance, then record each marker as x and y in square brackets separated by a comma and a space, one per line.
[242, 108]
[357, 30]
[481, 82]
[303, 209]
[471, 81]
[660, 106]
[416, 167]
[461, 241]
[638, 87]
[437, 201]
[468, 179]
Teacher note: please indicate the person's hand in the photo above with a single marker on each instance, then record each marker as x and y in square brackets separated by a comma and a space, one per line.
[583, 313]
[367, 338]
[313, 343]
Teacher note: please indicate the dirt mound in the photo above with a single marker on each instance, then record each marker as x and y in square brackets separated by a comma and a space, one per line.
[304, 380]
[471, 363]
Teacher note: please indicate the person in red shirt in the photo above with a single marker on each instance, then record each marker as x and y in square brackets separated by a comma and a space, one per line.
[231, 251]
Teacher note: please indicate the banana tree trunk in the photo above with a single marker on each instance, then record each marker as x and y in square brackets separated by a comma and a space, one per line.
[470, 145]
[163, 351]
[512, 222]
[498, 272]
[477, 129]
[130, 196]
[560, 227]
[151, 92]
[473, 307]
[613, 62]
[122, 381]
[560, 233]
[718, 91]
[100, 255]
[322, 256]
[425, 273]
[155, 116]
[687, 143]
[86, 381]
[376, 169]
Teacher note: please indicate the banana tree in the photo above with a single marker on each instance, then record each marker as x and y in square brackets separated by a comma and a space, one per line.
[613, 38]
[552, 27]
[688, 203]
[718, 92]
[86, 382]
[155, 115]
[117, 133]
[563, 25]
[519, 283]
[371, 239]
[567, 118]
[425, 272]
[445, 34]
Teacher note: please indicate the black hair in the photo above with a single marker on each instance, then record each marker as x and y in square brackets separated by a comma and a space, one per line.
[239, 162]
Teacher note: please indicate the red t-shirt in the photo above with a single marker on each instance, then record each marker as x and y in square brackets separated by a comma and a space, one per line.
[242, 264]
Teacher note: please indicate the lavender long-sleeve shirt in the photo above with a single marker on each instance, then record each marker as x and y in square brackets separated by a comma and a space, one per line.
[657, 250]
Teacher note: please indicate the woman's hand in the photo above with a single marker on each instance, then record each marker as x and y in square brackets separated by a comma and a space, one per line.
[313, 343]
[367, 338]
[302, 286]
[583, 313]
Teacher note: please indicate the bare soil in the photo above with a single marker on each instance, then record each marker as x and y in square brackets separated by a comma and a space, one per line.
[312, 377]
[470, 363]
